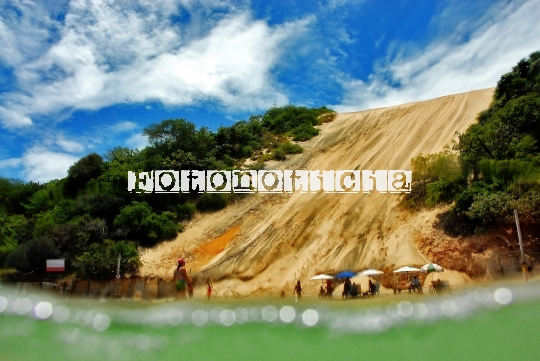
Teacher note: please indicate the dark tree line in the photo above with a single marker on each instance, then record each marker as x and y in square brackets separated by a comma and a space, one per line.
[494, 166]
[89, 216]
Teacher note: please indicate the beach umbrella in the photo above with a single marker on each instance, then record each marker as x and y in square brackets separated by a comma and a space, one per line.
[345, 274]
[431, 267]
[407, 269]
[370, 272]
[322, 277]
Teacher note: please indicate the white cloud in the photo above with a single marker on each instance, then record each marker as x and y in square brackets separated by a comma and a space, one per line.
[10, 163]
[137, 141]
[70, 146]
[42, 165]
[14, 117]
[124, 126]
[449, 65]
[25, 29]
[107, 53]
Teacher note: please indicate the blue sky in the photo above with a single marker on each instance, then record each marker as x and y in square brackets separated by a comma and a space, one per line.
[84, 76]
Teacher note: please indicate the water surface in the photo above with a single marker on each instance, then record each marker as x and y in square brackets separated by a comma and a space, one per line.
[498, 322]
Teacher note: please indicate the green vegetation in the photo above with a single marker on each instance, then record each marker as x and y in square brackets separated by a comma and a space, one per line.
[89, 216]
[494, 166]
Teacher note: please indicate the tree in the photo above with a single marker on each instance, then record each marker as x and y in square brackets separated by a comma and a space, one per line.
[145, 226]
[87, 168]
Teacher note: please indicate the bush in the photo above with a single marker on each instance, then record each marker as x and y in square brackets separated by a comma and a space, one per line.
[100, 261]
[185, 211]
[142, 224]
[416, 199]
[17, 259]
[488, 210]
[32, 255]
[455, 224]
[442, 191]
[304, 132]
[290, 148]
[279, 154]
[209, 202]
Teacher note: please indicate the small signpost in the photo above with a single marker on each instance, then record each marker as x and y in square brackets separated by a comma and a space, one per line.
[524, 266]
[118, 268]
[519, 237]
[56, 265]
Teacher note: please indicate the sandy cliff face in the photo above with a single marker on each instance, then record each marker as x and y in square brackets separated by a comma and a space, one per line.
[265, 242]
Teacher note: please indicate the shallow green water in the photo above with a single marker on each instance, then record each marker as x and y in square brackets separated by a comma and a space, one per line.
[496, 323]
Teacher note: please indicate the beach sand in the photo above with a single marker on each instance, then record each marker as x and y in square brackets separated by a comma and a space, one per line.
[263, 243]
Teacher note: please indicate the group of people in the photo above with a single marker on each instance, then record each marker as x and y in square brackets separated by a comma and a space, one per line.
[350, 290]
[323, 293]
[184, 286]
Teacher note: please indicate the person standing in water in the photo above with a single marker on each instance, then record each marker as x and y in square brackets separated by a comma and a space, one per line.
[182, 283]
[298, 291]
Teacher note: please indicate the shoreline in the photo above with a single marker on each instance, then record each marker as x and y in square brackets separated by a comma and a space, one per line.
[386, 294]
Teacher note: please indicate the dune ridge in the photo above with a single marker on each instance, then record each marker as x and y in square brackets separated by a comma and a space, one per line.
[267, 241]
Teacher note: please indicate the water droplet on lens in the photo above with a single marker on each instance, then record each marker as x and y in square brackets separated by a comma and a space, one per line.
[242, 315]
[310, 317]
[174, 317]
[420, 310]
[287, 314]
[22, 305]
[503, 296]
[143, 342]
[101, 322]
[199, 318]
[3, 304]
[60, 314]
[449, 308]
[405, 308]
[227, 317]
[43, 310]
[269, 313]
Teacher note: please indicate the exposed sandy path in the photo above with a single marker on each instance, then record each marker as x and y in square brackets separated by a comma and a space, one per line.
[265, 242]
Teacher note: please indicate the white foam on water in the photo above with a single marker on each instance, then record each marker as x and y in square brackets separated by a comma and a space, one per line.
[287, 314]
[227, 317]
[310, 317]
[503, 296]
[3, 303]
[43, 310]
[84, 318]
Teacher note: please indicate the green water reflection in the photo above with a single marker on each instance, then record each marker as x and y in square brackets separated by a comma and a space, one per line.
[136, 331]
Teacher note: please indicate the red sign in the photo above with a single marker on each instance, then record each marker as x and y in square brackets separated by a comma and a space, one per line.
[56, 265]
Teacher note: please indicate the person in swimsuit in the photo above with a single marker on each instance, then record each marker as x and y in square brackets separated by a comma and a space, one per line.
[346, 288]
[298, 290]
[209, 289]
[182, 283]
[329, 288]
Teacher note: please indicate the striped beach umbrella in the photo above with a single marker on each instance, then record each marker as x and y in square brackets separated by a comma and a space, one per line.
[431, 267]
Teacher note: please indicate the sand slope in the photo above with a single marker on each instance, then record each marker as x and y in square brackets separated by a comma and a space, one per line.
[266, 241]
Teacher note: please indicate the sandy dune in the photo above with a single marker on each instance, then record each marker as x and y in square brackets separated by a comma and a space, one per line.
[265, 242]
